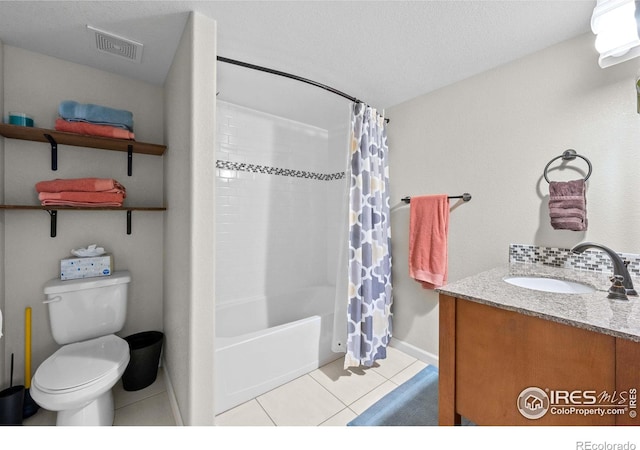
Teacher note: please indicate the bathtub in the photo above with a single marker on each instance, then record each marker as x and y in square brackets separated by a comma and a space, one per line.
[264, 342]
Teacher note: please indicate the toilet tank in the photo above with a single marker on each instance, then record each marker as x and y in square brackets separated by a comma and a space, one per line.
[87, 308]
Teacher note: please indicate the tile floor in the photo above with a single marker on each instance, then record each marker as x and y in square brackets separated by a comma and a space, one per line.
[147, 407]
[328, 396]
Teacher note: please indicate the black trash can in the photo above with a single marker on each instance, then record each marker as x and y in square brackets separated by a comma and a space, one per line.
[144, 351]
[11, 401]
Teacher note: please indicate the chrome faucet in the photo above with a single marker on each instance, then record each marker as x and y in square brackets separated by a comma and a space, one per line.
[620, 272]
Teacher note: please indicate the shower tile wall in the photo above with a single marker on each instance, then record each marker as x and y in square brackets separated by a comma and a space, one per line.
[272, 226]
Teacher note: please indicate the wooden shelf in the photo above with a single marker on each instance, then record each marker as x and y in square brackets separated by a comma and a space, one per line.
[54, 138]
[79, 140]
[53, 211]
[84, 208]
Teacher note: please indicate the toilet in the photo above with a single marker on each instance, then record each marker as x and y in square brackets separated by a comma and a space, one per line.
[76, 380]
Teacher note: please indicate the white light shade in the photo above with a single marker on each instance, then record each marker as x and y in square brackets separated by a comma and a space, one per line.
[614, 23]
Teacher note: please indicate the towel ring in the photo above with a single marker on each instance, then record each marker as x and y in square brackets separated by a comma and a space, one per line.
[568, 155]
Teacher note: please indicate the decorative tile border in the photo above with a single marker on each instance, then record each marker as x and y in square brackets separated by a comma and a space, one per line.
[593, 260]
[255, 168]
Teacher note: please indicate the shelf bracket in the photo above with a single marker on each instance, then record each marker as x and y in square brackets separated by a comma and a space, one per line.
[54, 221]
[129, 159]
[54, 151]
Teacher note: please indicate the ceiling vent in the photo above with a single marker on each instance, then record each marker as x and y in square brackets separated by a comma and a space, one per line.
[117, 45]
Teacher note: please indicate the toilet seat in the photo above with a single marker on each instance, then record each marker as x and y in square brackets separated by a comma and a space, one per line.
[81, 364]
[78, 373]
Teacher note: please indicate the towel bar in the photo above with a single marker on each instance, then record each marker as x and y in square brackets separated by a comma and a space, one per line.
[568, 155]
[465, 197]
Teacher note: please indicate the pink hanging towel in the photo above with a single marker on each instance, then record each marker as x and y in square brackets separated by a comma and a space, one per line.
[428, 230]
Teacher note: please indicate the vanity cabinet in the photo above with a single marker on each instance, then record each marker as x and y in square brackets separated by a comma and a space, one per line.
[489, 356]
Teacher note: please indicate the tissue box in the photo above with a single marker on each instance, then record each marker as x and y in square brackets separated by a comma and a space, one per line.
[87, 267]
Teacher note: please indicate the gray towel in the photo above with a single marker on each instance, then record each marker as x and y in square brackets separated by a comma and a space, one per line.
[568, 205]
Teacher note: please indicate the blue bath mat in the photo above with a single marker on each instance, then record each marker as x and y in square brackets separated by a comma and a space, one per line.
[414, 403]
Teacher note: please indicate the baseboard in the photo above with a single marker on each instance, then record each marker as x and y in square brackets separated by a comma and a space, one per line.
[414, 351]
[172, 397]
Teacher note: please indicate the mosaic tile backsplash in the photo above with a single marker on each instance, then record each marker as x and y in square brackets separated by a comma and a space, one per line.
[592, 259]
[256, 168]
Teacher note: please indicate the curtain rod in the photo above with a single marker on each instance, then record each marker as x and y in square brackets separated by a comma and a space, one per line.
[293, 77]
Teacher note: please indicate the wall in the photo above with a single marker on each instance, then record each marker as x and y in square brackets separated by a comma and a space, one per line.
[189, 284]
[3, 373]
[36, 84]
[271, 226]
[336, 214]
[491, 136]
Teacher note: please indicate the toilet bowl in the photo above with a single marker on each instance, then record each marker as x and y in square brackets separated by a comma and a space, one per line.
[76, 380]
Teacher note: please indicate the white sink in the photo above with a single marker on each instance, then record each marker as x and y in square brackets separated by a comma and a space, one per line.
[550, 285]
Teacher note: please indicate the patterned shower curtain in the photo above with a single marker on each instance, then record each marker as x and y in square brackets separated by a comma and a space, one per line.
[369, 307]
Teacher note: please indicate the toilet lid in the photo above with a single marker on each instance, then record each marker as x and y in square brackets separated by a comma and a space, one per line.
[81, 363]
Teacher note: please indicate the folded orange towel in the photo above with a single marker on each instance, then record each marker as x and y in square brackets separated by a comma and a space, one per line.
[80, 185]
[81, 198]
[83, 204]
[93, 130]
[428, 231]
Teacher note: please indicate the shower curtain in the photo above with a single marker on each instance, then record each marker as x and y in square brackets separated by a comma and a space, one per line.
[369, 259]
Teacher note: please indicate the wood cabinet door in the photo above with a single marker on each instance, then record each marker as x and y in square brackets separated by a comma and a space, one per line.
[628, 379]
[501, 356]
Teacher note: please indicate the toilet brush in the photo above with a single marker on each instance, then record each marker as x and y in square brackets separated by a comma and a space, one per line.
[30, 407]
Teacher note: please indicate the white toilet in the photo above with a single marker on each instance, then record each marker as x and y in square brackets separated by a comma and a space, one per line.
[76, 380]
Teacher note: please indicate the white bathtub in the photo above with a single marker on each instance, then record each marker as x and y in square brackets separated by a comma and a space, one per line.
[264, 342]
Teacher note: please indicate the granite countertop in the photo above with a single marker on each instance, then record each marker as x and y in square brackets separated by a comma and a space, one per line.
[592, 311]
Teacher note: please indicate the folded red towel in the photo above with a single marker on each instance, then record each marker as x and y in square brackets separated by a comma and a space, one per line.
[93, 130]
[80, 185]
[83, 204]
[428, 234]
[81, 198]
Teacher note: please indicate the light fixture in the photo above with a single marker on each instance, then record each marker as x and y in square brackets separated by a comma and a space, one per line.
[615, 23]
